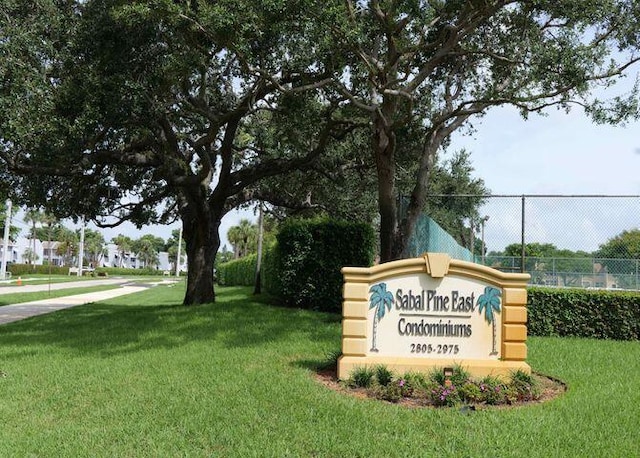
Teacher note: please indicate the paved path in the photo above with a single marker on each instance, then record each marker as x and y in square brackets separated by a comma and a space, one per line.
[64, 285]
[15, 312]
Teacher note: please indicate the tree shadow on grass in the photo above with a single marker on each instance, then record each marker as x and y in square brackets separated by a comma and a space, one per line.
[110, 328]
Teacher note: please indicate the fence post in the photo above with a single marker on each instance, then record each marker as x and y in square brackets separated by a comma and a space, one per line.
[522, 255]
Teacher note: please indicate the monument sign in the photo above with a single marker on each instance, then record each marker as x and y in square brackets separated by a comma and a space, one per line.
[434, 312]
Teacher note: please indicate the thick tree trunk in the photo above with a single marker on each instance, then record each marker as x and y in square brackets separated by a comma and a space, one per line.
[384, 146]
[200, 230]
[395, 232]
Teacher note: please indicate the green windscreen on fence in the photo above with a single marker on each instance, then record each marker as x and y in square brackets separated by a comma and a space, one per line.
[430, 237]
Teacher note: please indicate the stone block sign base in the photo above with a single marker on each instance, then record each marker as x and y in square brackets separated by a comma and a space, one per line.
[434, 312]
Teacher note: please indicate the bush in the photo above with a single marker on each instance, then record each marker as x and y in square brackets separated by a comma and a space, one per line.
[238, 272]
[242, 272]
[107, 271]
[27, 269]
[311, 254]
[584, 313]
[362, 377]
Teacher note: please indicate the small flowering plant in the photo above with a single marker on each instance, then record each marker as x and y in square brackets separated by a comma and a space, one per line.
[445, 396]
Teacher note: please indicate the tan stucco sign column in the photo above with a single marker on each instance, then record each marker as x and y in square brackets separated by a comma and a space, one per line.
[434, 312]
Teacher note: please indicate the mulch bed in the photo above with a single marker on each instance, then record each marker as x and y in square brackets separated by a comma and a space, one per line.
[551, 389]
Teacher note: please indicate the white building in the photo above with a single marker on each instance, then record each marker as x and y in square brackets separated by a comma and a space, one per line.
[112, 257]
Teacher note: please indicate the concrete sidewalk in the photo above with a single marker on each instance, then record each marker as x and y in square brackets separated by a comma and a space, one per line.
[15, 312]
[64, 285]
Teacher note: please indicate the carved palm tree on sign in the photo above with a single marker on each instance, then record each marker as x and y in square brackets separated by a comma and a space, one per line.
[381, 300]
[490, 303]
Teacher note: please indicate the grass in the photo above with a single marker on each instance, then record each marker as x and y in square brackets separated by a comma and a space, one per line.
[143, 376]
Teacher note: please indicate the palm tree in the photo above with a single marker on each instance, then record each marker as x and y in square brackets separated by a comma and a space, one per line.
[49, 220]
[33, 216]
[243, 238]
[490, 302]
[124, 245]
[147, 252]
[381, 300]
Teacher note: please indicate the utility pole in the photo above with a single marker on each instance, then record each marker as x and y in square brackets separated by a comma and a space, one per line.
[81, 248]
[5, 242]
[258, 286]
[178, 254]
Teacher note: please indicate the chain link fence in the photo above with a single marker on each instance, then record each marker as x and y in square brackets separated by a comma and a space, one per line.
[583, 241]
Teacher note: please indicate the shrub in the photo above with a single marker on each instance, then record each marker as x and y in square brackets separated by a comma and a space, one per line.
[242, 272]
[26, 269]
[433, 389]
[492, 390]
[584, 313]
[238, 272]
[525, 387]
[470, 392]
[311, 254]
[445, 396]
[416, 380]
[383, 375]
[361, 377]
[392, 392]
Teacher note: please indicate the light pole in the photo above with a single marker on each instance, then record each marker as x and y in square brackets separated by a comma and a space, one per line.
[5, 241]
[178, 255]
[81, 248]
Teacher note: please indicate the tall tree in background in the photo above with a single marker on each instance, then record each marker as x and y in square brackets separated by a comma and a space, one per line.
[445, 63]
[67, 247]
[615, 253]
[243, 238]
[94, 247]
[33, 216]
[124, 245]
[147, 248]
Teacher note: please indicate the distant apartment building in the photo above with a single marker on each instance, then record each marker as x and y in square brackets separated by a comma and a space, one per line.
[47, 252]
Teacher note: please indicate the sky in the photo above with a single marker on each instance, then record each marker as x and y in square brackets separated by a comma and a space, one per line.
[558, 153]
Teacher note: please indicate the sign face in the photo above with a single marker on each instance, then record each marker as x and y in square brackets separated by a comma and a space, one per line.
[421, 316]
[433, 312]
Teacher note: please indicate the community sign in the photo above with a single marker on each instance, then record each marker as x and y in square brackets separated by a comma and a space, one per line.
[434, 312]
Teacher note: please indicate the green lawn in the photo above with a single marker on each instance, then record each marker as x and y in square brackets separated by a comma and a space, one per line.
[141, 375]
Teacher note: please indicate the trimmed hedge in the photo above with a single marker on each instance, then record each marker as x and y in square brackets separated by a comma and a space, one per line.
[26, 269]
[125, 271]
[303, 267]
[238, 272]
[584, 313]
[311, 254]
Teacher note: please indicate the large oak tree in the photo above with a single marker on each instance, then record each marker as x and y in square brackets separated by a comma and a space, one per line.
[444, 63]
[139, 109]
